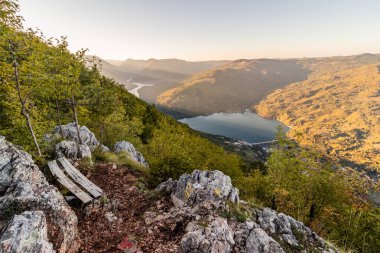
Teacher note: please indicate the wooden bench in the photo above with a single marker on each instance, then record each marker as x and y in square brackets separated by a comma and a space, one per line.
[77, 177]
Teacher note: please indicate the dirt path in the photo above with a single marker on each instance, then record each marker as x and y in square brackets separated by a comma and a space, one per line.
[128, 203]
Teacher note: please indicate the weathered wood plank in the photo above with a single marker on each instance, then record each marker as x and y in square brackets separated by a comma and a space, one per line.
[80, 179]
[66, 182]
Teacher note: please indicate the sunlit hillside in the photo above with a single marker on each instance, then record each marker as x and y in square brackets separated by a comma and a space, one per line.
[337, 108]
[232, 87]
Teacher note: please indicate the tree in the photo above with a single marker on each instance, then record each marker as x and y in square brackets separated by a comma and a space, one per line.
[21, 49]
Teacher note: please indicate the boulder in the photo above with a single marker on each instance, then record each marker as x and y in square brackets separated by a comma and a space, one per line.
[104, 148]
[289, 230]
[125, 146]
[84, 151]
[211, 235]
[69, 149]
[200, 186]
[23, 187]
[72, 150]
[259, 241]
[27, 233]
[70, 133]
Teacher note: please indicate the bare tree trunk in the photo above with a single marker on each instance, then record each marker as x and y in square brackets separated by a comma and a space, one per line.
[75, 118]
[59, 116]
[24, 110]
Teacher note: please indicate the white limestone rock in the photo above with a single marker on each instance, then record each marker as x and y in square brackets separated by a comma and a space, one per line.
[125, 146]
[27, 233]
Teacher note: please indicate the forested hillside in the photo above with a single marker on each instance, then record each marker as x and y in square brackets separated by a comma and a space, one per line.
[44, 85]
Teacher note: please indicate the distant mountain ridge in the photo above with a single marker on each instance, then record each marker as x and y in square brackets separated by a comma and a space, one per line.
[164, 73]
[232, 87]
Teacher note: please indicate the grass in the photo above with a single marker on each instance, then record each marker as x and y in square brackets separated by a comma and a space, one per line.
[237, 212]
[120, 159]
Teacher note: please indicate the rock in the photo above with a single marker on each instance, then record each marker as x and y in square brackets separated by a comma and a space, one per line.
[70, 133]
[214, 236]
[201, 186]
[124, 146]
[104, 148]
[26, 232]
[24, 187]
[200, 198]
[69, 149]
[110, 216]
[292, 232]
[259, 241]
[84, 151]
[128, 245]
[72, 150]
[168, 186]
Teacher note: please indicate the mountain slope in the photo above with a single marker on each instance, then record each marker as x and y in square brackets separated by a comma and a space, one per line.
[336, 108]
[163, 74]
[232, 87]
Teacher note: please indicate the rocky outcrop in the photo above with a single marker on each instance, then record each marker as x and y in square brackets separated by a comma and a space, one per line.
[125, 146]
[213, 235]
[200, 186]
[23, 187]
[204, 203]
[27, 233]
[72, 150]
[70, 133]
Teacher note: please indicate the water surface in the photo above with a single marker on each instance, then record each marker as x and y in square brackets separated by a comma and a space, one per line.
[246, 126]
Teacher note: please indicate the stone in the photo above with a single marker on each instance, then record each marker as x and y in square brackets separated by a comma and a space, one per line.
[168, 186]
[22, 185]
[134, 155]
[68, 149]
[27, 233]
[215, 236]
[259, 241]
[70, 133]
[104, 148]
[110, 216]
[201, 186]
[72, 150]
[84, 151]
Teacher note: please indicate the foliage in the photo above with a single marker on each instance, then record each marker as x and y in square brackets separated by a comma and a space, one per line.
[332, 201]
[55, 82]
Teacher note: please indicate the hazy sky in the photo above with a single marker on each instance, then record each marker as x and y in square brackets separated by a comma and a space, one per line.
[210, 29]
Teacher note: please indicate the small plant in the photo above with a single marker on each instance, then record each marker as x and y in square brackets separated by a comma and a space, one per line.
[104, 200]
[12, 209]
[86, 164]
[203, 223]
[238, 212]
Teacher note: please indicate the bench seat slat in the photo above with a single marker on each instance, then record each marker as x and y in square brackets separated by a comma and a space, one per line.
[80, 179]
[66, 182]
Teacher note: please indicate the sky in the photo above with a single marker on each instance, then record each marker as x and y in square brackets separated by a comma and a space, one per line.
[210, 29]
